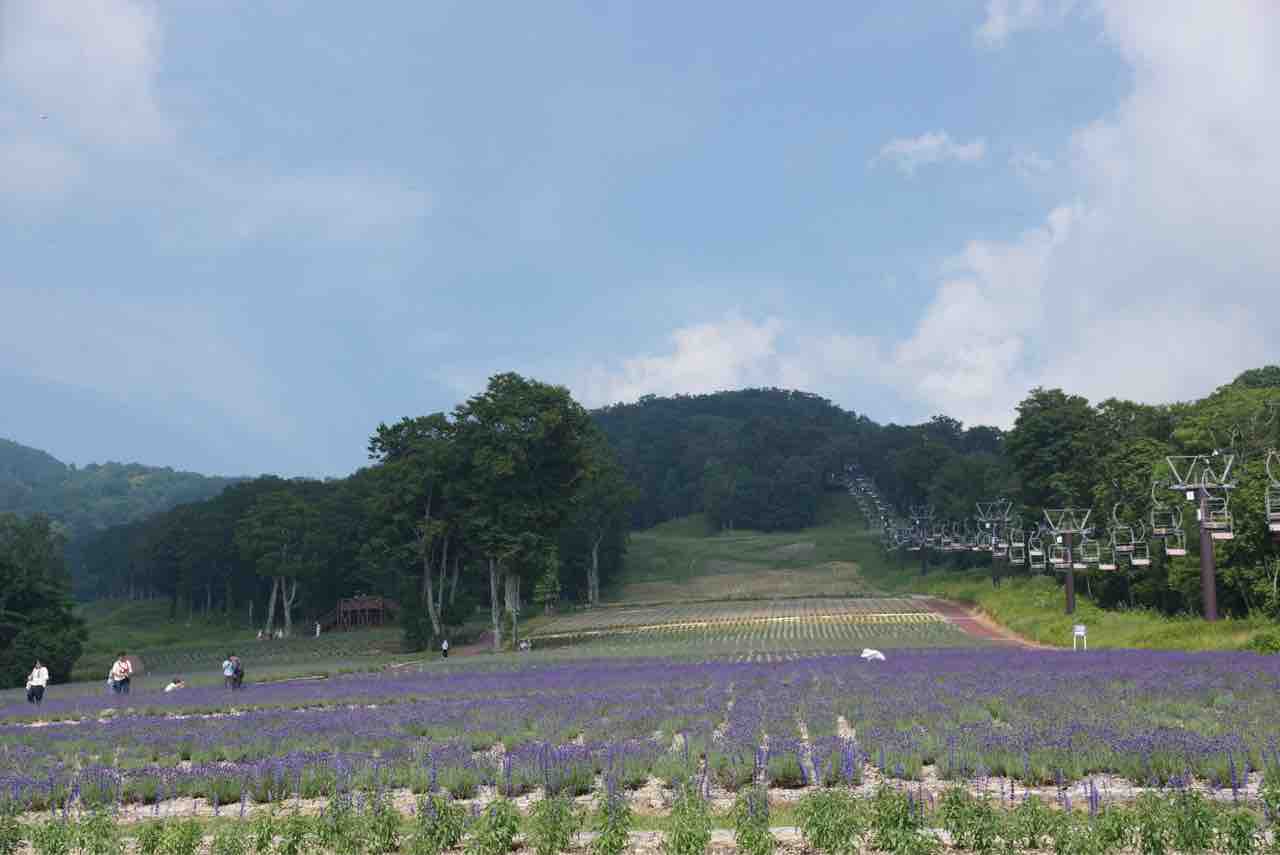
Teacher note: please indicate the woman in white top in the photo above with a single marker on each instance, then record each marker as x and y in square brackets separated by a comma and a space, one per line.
[121, 672]
[36, 684]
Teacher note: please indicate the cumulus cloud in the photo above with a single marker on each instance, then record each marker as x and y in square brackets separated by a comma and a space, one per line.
[1006, 17]
[703, 357]
[910, 153]
[1165, 251]
[85, 81]
[1155, 280]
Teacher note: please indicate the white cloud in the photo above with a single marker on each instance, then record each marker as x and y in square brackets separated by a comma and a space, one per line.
[1156, 281]
[1030, 165]
[84, 77]
[1006, 17]
[1159, 282]
[90, 66]
[704, 357]
[910, 153]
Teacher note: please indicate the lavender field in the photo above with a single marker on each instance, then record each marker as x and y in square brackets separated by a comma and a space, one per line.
[995, 718]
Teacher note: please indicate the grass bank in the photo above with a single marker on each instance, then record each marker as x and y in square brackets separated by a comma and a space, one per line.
[1033, 607]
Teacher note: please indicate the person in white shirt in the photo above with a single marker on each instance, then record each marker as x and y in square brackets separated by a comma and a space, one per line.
[444, 649]
[120, 675]
[36, 683]
[175, 684]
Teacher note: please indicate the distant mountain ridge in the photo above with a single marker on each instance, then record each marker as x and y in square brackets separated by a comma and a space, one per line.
[94, 497]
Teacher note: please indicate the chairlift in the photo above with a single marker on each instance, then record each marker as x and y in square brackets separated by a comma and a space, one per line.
[1035, 548]
[1175, 544]
[1218, 519]
[1106, 557]
[1273, 492]
[1140, 556]
[1090, 553]
[984, 543]
[1122, 539]
[1165, 520]
[1017, 553]
[1058, 556]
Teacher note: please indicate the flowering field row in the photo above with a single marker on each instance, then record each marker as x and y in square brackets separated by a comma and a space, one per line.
[1031, 717]
[798, 610]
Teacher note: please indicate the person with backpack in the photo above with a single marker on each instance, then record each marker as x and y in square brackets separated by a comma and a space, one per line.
[444, 649]
[237, 673]
[229, 671]
[36, 683]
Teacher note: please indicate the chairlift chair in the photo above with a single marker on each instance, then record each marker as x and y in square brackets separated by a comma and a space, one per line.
[1058, 556]
[1273, 492]
[1218, 520]
[1090, 554]
[1035, 548]
[1140, 556]
[1017, 553]
[1175, 544]
[1106, 557]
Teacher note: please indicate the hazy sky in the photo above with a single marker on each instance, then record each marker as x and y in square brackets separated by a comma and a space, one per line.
[234, 236]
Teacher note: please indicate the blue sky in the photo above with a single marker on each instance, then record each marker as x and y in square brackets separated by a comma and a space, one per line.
[236, 236]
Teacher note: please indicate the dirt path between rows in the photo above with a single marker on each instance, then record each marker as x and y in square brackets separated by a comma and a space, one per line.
[974, 623]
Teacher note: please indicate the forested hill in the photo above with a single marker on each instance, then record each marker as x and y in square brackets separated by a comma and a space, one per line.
[759, 458]
[94, 497]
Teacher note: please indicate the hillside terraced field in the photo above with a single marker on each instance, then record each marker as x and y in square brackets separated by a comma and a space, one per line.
[753, 627]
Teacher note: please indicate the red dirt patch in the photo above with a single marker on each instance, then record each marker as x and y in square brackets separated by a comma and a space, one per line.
[972, 622]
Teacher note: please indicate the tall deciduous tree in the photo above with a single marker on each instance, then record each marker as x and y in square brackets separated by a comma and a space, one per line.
[274, 534]
[36, 620]
[601, 506]
[523, 447]
[417, 462]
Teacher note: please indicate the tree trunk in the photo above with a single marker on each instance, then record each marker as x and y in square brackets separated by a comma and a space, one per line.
[288, 596]
[593, 575]
[453, 579]
[226, 603]
[428, 594]
[495, 610]
[271, 604]
[208, 598]
[512, 589]
[444, 569]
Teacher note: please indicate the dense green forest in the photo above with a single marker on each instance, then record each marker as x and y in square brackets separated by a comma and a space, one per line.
[1109, 458]
[84, 500]
[515, 498]
[521, 498]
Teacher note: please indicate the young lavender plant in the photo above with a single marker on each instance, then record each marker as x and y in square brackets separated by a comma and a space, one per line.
[552, 825]
[751, 823]
[690, 829]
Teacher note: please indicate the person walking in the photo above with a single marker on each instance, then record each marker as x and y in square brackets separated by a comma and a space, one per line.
[36, 683]
[229, 671]
[237, 673]
[444, 649]
[121, 674]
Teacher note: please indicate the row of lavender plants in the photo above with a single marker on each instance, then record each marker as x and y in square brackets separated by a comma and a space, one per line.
[1040, 719]
[892, 819]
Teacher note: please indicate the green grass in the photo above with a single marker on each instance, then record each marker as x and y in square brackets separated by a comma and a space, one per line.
[682, 560]
[194, 647]
[1033, 607]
